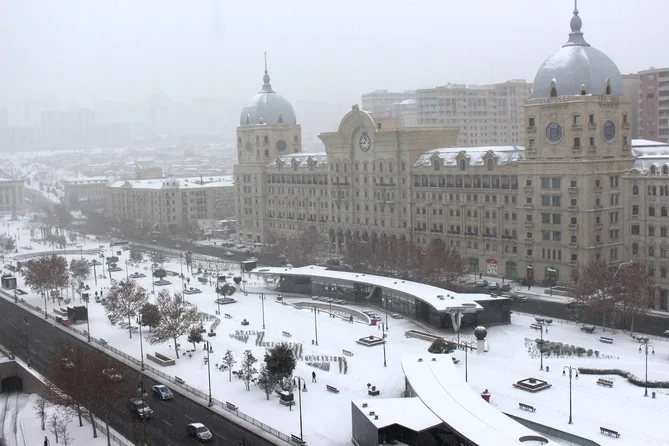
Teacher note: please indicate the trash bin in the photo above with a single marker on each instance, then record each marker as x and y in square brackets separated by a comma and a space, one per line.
[548, 369]
[486, 395]
[653, 394]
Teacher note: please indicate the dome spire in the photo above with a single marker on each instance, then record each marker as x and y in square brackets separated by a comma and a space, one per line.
[576, 36]
[266, 86]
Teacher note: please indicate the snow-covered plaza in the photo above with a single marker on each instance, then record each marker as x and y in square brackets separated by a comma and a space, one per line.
[511, 357]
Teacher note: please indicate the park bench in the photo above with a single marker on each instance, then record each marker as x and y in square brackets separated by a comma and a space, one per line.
[605, 382]
[347, 353]
[179, 380]
[535, 326]
[230, 406]
[297, 440]
[103, 342]
[527, 407]
[286, 334]
[227, 316]
[588, 329]
[610, 432]
[606, 340]
[331, 388]
[455, 361]
[373, 391]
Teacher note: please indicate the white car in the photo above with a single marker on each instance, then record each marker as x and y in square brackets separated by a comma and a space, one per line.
[228, 254]
[199, 431]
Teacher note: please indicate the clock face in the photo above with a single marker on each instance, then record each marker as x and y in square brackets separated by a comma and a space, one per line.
[281, 146]
[249, 147]
[365, 142]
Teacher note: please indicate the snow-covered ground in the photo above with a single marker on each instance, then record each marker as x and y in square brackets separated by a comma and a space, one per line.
[327, 416]
[21, 425]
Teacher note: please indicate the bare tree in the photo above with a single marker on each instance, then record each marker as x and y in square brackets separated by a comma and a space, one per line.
[45, 273]
[150, 315]
[267, 381]
[229, 361]
[54, 424]
[634, 291]
[595, 289]
[124, 301]
[62, 426]
[178, 317]
[40, 407]
[248, 370]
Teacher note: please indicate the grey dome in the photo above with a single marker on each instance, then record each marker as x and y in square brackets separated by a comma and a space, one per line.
[268, 107]
[577, 64]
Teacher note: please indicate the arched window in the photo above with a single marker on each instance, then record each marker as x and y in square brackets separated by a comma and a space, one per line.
[553, 92]
[635, 248]
[337, 168]
[651, 211]
[651, 231]
[463, 165]
[607, 90]
[404, 166]
[435, 164]
[664, 211]
[665, 170]
[390, 167]
[490, 163]
[381, 167]
[635, 190]
[653, 170]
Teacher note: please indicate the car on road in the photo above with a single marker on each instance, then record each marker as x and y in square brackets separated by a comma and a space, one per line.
[139, 408]
[481, 284]
[162, 392]
[505, 287]
[493, 286]
[200, 432]
[228, 254]
[112, 374]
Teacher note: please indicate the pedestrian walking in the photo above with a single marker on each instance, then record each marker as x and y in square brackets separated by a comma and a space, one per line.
[480, 275]
[313, 377]
[46, 441]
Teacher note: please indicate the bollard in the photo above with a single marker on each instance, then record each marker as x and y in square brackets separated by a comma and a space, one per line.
[548, 369]
[653, 395]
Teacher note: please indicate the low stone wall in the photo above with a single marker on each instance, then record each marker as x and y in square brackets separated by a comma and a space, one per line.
[160, 359]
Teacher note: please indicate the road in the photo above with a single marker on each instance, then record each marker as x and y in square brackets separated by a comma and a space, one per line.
[168, 425]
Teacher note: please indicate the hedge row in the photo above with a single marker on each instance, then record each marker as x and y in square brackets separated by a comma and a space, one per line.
[630, 377]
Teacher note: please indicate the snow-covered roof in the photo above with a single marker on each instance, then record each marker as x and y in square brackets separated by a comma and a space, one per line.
[319, 159]
[177, 183]
[503, 155]
[408, 412]
[85, 180]
[439, 298]
[647, 143]
[441, 388]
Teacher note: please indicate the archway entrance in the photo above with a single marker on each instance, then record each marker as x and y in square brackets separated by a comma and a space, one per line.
[11, 384]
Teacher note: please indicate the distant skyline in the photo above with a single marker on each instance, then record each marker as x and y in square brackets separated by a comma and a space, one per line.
[126, 50]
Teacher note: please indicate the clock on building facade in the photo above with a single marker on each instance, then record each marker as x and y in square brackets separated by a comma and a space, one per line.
[365, 142]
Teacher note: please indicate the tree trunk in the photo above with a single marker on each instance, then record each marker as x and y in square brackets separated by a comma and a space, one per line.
[81, 422]
[632, 324]
[43, 418]
[95, 429]
[230, 373]
[176, 350]
[108, 438]
[129, 327]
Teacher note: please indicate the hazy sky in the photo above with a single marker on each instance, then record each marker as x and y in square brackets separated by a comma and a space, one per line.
[321, 49]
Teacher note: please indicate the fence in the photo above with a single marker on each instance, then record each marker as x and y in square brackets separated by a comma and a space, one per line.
[113, 438]
[163, 375]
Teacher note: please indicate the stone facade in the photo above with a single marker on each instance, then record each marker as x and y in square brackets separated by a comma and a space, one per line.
[11, 196]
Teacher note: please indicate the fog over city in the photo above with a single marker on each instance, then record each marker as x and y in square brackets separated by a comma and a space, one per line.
[79, 51]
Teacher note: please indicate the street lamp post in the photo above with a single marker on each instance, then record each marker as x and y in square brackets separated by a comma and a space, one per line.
[46, 311]
[181, 265]
[25, 322]
[316, 325]
[208, 346]
[573, 371]
[262, 302]
[542, 324]
[126, 271]
[88, 317]
[299, 393]
[95, 274]
[645, 346]
[383, 327]
[141, 346]
[386, 325]
[153, 278]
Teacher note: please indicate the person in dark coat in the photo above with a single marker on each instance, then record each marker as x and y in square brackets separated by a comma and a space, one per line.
[313, 377]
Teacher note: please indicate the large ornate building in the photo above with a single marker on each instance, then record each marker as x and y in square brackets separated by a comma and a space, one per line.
[570, 196]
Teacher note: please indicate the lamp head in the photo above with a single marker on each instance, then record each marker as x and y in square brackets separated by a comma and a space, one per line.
[639, 349]
[576, 374]
[564, 373]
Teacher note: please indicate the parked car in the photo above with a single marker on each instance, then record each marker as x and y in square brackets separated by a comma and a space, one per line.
[228, 254]
[493, 286]
[112, 374]
[481, 284]
[162, 392]
[139, 408]
[200, 432]
[505, 287]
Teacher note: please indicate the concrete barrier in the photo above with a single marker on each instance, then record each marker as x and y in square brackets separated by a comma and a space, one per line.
[160, 359]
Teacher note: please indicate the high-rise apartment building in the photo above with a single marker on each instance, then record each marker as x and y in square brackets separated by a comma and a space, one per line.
[654, 104]
[631, 87]
[378, 102]
[487, 115]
